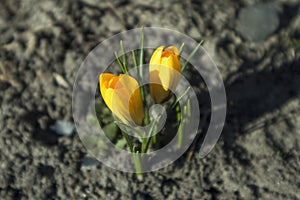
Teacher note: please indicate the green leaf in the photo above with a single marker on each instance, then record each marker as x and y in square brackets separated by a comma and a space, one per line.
[121, 143]
[181, 48]
[93, 121]
[90, 141]
[123, 56]
[191, 55]
[110, 131]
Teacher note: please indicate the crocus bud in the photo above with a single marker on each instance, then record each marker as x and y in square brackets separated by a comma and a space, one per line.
[164, 72]
[122, 96]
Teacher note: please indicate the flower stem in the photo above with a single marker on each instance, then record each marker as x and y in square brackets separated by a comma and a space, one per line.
[129, 142]
[141, 62]
[140, 72]
[180, 128]
[152, 129]
[136, 156]
[137, 164]
[139, 66]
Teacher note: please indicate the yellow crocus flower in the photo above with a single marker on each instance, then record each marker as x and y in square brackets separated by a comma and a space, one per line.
[164, 64]
[122, 96]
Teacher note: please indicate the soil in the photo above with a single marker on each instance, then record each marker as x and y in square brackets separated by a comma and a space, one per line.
[42, 45]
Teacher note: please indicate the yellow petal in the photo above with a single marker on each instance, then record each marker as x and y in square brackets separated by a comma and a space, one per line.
[170, 72]
[156, 57]
[172, 49]
[163, 66]
[103, 81]
[122, 96]
[135, 105]
[158, 93]
[165, 73]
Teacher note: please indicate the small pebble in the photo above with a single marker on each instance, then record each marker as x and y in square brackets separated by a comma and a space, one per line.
[61, 81]
[63, 128]
[88, 163]
[256, 23]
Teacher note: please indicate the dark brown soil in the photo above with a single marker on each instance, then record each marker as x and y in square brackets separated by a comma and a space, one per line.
[42, 42]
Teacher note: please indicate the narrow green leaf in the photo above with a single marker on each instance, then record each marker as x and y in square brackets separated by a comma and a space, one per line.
[141, 55]
[120, 63]
[180, 134]
[142, 87]
[110, 131]
[153, 129]
[134, 59]
[137, 68]
[178, 99]
[181, 48]
[141, 61]
[121, 143]
[123, 56]
[191, 55]
[188, 108]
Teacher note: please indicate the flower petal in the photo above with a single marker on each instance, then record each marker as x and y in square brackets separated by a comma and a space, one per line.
[122, 96]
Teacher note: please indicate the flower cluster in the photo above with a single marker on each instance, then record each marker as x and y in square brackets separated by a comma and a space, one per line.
[122, 94]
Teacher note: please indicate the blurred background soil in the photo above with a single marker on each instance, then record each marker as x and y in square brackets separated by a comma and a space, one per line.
[255, 45]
